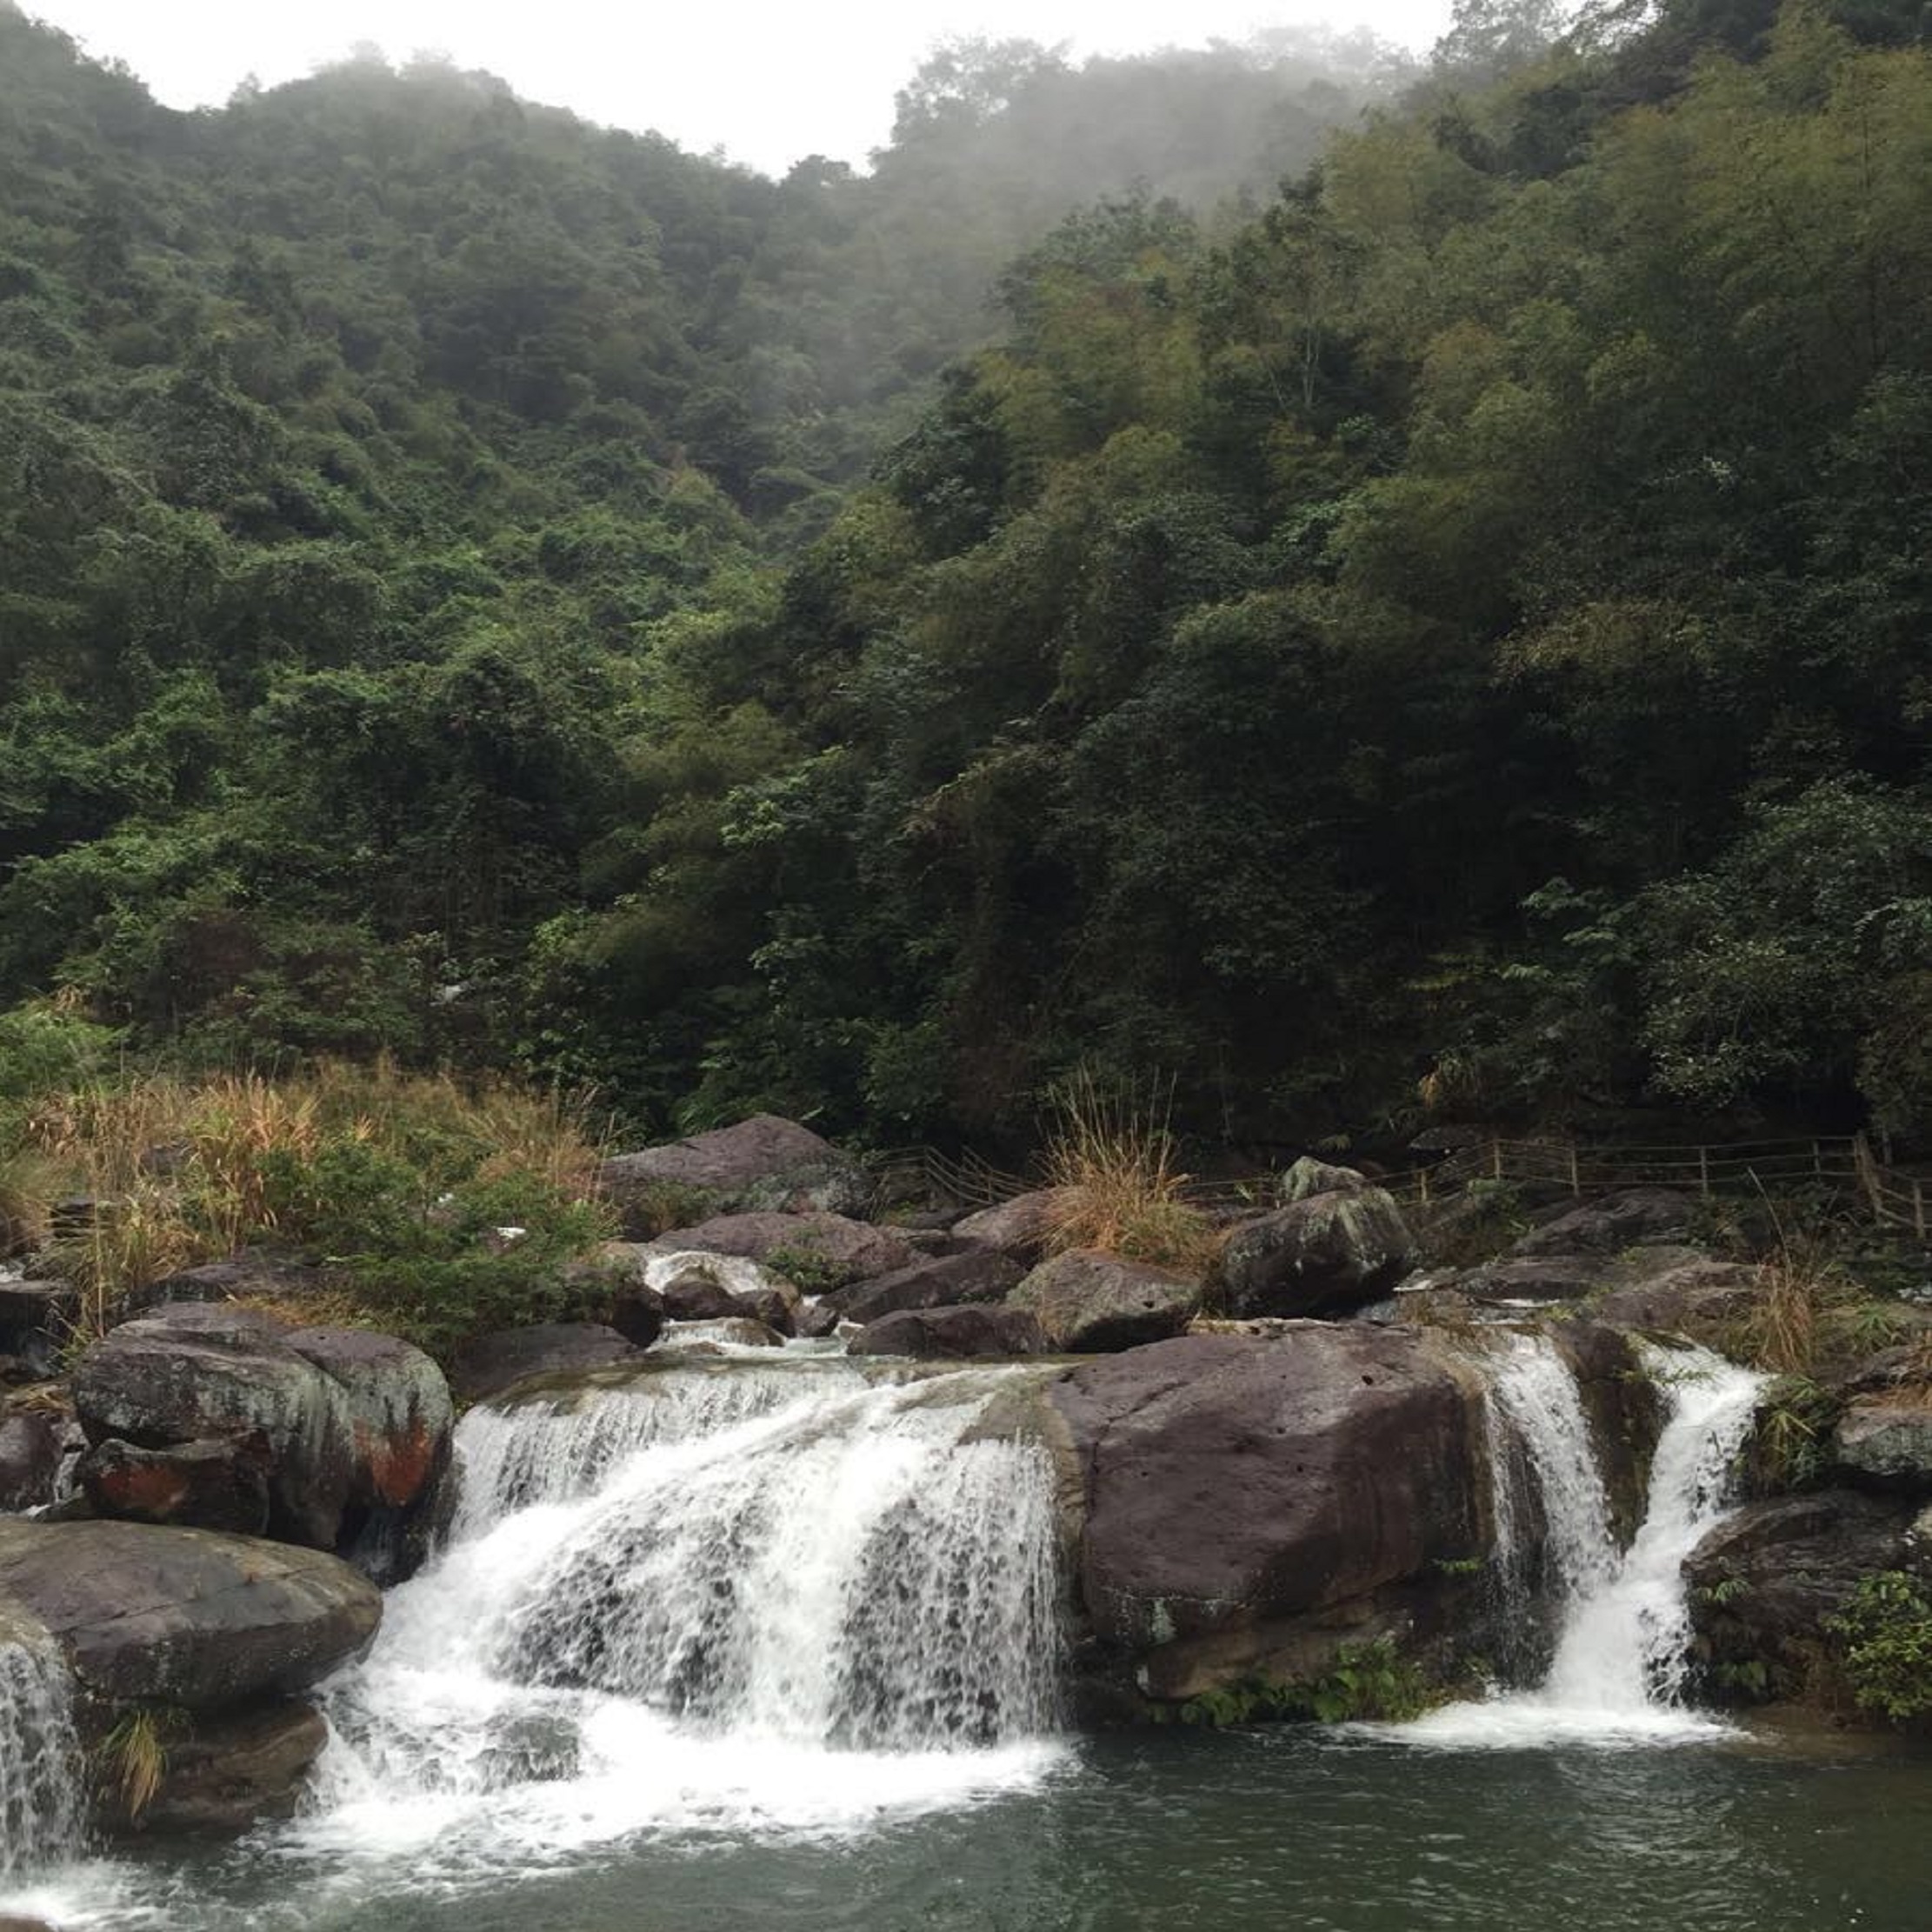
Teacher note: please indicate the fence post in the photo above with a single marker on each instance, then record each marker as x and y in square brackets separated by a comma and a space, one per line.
[1818, 1160]
[1495, 1160]
[1422, 1182]
[1918, 1209]
[1576, 1184]
[1703, 1172]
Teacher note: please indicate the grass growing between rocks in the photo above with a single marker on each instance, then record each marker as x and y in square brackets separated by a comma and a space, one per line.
[406, 1184]
[1112, 1168]
[132, 1762]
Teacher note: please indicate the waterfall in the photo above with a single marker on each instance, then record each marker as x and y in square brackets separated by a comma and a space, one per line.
[795, 1595]
[40, 1792]
[1624, 1630]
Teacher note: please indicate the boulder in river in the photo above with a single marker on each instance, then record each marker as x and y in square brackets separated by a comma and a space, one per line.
[1887, 1443]
[943, 1281]
[186, 1617]
[1763, 1586]
[351, 1429]
[1252, 1504]
[817, 1251]
[1328, 1253]
[1023, 1227]
[230, 1771]
[764, 1164]
[1089, 1301]
[970, 1329]
[1611, 1222]
[214, 1484]
[33, 1443]
[490, 1363]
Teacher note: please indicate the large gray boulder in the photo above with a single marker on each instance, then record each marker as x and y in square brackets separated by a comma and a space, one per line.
[1612, 1222]
[33, 1443]
[1253, 1502]
[1023, 1227]
[764, 1164]
[349, 1430]
[1763, 1586]
[818, 1250]
[1328, 1253]
[1089, 1303]
[186, 1617]
[491, 1364]
[945, 1281]
[232, 1770]
[33, 1316]
[1888, 1443]
[969, 1330]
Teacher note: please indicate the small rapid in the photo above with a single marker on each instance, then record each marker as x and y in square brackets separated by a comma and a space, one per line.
[719, 1598]
[41, 1809]
[1623, 1638]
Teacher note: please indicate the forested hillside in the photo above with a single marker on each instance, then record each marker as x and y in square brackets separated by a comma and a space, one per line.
[1452, 633]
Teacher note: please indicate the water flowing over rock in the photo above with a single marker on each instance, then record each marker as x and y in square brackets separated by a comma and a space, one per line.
[841, 1249]
[40, 1806]
[1332, 1252]
[762, 1163]
[1623, 1652]
[1089, 1303]
[743, 1587]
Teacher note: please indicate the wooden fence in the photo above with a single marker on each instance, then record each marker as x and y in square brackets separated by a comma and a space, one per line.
[1842, 1163]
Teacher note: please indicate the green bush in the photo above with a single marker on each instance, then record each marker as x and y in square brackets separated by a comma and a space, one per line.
[1886, 1630]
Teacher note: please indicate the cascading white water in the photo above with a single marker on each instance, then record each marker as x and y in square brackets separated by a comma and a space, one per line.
[794, 1596]
[1621, 1651]
[40, 1792]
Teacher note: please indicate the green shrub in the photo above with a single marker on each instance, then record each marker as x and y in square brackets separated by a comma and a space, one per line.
[1886, 1630]
[1368, 1682]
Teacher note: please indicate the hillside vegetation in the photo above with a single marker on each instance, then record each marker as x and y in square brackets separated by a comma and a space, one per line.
[1449, 630]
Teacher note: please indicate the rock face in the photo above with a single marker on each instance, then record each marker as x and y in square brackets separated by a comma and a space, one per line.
[844, 1251]
[1252, 1504]
[975, 1274]
[491, 1364]
[233, 1771]
[1613, 1223]
[186, 1617]
[764, 1164]
[190, 1408]
[1327, 1255]
[32, 1444]
[1887, 1443]
[1089, 1303]
[217, 1485]
[1764, 1583]
[31, 1322]
[969, 1329]
[1022, 1226]
[252, 1272]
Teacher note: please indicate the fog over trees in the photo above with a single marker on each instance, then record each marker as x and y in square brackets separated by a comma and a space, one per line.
[1355, 586]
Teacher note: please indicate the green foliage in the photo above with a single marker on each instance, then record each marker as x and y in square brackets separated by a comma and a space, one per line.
[1444, 633]
[807, 1271]
[1885, 1630]
[1367, 1682]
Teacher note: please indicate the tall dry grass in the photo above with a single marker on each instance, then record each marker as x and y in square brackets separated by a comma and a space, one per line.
[1113, 1170]
[179, 1169]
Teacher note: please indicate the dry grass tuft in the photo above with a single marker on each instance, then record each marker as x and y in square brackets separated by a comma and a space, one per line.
[133, 1758]
[1111, 1168]
[180, 1169]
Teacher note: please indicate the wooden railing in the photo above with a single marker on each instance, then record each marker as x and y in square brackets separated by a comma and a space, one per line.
[1844, 1164]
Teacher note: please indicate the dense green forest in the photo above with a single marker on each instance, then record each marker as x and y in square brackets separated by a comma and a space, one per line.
[1353, 590]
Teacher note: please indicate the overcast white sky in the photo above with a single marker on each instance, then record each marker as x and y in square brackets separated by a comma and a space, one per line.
[767, 80]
